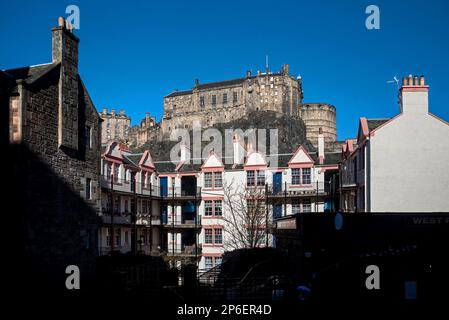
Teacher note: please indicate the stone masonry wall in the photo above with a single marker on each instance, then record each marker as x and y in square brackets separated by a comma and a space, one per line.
[61, 224]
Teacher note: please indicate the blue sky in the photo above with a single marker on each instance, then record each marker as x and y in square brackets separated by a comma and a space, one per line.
[134, 53]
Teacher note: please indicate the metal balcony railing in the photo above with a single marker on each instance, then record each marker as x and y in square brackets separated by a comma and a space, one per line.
[290, 189]
[179, 192]
[184, 250]
[180, 221]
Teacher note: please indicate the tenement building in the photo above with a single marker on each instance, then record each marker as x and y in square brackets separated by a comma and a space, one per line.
[54, 148]
[191, 212]
[115, 126]
[220, 102]
[398, 164]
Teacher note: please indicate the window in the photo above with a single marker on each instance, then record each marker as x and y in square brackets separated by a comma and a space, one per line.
[306, 176]
[218, 261]
[260, 178]
[250, 206]
[118, 237]
[306, 205]
[202, 102]
[234, 97]
[108, 237]
[88, 189]
[208, 207]
[126, 206]
[108, 169]
[208, 262]
[208, 236]
[296, 176]
[144, 206]
[116, 172]
[250, 179]
[225, 98]
[87, 137]
[218, 208]
[126, 237]
[214, 100]
[296, 207]
[143, 237]
[218, 236]
[218, 182]
[116, 205]
[208, 179]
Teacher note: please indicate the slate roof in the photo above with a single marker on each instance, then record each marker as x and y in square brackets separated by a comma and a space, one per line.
[32, 73]
[374, 123]
[130, 160]
[217, 84]
[165, 166]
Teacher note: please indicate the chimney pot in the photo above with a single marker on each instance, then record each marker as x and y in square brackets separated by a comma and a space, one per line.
[410, 80]
[421, 81]
[415, 80]
[404, 81]
[61, 22]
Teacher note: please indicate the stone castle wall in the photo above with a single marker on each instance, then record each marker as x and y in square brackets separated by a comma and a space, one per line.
[316, 116]
[229, 100]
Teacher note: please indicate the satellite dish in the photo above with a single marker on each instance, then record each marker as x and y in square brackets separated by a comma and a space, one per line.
[338, 221]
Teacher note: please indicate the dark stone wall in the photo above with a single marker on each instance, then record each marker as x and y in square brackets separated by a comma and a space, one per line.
[59, 226]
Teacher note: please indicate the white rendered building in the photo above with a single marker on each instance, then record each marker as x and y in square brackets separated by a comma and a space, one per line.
[399, 164]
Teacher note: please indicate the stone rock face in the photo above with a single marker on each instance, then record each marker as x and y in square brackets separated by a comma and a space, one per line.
[291, 133]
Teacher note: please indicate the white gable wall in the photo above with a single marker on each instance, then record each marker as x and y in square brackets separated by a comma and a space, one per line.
[409, 165]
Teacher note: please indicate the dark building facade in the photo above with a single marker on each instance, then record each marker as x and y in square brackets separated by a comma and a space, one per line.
[54, 145]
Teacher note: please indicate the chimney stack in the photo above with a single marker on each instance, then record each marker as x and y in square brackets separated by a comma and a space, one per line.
[286, 69]
[414, 96]
[185, 153]
[65, 52]
[321, 145]
[239, 151]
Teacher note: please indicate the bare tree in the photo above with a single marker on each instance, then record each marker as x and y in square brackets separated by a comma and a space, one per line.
[245, 215]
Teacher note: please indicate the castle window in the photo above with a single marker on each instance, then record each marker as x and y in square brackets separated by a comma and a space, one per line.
[225, 98]
[234, 97]
[214, 100]
[202, 102]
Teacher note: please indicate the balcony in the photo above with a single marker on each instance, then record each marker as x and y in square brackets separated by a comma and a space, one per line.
[298, 190]
[180, 193]
[126, 186]
[184, 251]
[183, 222]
